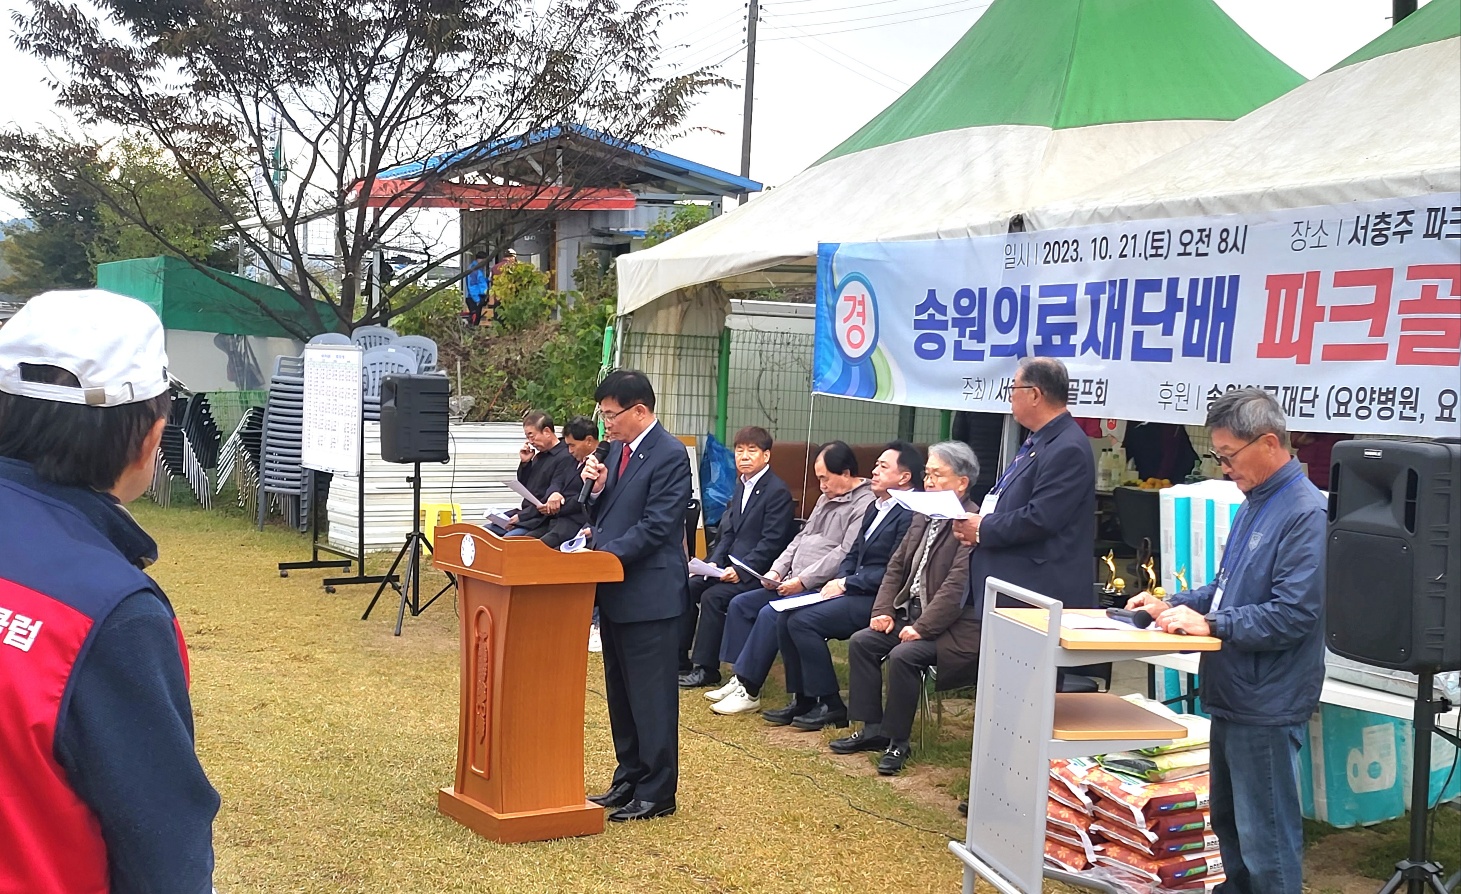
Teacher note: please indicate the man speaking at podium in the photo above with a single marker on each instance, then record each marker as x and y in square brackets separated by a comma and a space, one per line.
[637, 509]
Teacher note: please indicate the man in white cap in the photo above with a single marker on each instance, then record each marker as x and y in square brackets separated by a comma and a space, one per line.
[100, 786]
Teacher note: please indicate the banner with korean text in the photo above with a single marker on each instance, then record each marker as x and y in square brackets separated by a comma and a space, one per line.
[1350, 316]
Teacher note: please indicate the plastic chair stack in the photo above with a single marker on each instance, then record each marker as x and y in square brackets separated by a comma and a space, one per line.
[283, 444]
[378, 363]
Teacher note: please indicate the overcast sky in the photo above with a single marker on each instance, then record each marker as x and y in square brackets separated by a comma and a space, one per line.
[824, 67]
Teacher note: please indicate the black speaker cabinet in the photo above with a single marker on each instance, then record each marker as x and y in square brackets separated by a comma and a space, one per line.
[413, 419]
[1391, 569]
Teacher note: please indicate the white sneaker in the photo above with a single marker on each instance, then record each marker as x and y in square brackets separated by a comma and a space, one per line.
[594, 643]
[737, 702]
[731, 685]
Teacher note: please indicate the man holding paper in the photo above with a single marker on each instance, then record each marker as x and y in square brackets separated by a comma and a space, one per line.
[756, 527]
[810, 560]
[544, 460]
[918, 621]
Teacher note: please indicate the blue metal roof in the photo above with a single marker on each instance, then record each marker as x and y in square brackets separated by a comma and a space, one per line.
[654, 162]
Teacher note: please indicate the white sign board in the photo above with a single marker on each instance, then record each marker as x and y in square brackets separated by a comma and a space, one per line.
[333, 408]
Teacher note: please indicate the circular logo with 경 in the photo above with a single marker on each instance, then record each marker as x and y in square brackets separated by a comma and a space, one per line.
[855, 317]
[469, 549]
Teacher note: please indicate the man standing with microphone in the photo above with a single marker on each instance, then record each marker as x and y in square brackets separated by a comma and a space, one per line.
[1267, 606]
[639, 493]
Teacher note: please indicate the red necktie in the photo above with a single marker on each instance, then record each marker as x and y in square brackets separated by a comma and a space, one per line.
[624, 460]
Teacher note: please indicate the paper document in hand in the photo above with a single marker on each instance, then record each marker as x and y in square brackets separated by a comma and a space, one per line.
[1089, 622]
[706, 569]
[578, 544]
[769, 583]
[500, 516]
[791, 602]
[932, 503]
[517, 488]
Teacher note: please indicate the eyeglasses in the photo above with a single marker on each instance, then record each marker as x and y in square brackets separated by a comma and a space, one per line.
[934, 474]
[1018, 387]
[608, 417]
[1227, 461]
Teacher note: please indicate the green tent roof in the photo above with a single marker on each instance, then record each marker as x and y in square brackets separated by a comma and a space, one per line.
[1437, 20]
[1073, 63]
[188, 299]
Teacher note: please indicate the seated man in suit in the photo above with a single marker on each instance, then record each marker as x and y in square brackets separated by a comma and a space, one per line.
[751, 639]
[756, 527]
[566, 514]
[802, 633]
[919, 619]
[543, 461]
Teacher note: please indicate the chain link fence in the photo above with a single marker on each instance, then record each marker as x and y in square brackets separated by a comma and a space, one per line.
[769, 383]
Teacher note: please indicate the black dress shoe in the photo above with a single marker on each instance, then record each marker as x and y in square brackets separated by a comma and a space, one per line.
[892, 761]
[642, 810]
[619, 794]
[783, 716]
[820, 716]
[699, 677]
[858, 742]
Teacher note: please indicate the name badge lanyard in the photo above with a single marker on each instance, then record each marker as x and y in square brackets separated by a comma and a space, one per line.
[1234, 555]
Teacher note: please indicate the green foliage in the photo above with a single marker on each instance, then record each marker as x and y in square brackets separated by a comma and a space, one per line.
[523, 299]
[685, 217]
[87, 217]
[437, 316]
[572, 356]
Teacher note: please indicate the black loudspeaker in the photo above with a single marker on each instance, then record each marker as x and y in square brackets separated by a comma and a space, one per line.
[413, 419]
[1394, 560]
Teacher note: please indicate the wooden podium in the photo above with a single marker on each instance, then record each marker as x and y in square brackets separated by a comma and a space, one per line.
[525, 615]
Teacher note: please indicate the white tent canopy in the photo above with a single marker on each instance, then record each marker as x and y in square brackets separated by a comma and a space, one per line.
[1036, 102]
[1386, 127]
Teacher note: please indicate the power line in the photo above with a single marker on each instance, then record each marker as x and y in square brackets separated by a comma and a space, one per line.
[841, 64]
[936, 15]
[881, 15]
[704, 51]
[883, 74]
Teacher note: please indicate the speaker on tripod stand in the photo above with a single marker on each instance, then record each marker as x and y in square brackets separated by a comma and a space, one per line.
[1392, 598]
[414, 428]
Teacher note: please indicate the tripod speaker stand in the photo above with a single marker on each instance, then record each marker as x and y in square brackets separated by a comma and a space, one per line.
[409, 586]
[1417, 873]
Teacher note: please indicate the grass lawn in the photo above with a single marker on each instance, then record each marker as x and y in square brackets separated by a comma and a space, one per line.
[328, 739]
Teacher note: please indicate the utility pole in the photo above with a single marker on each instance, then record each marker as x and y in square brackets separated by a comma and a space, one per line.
[1400, 9]
[752, 14]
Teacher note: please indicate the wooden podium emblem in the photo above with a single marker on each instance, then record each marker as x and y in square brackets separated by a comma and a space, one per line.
[525, 615]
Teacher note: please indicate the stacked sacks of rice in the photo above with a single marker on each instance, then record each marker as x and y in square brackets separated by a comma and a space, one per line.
[1158, 832]
[1069, 815]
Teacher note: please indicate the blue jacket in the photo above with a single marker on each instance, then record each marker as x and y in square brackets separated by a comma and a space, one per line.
[1271, 616]
[867, 561]
[108, 664]
[641, 519]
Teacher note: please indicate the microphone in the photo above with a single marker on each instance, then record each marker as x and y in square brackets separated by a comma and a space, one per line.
[601, 453]
[1141, 619]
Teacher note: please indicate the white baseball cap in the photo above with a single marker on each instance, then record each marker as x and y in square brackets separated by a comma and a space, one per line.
[112, 344]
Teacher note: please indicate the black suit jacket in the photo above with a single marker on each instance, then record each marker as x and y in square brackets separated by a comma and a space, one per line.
[759, 534]
[865, 563]
[1042, 533]
[641, 519]
[573, 515]
[541, 475]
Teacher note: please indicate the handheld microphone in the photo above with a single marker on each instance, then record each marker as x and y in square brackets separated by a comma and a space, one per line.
[1141, 619]
[601, 453]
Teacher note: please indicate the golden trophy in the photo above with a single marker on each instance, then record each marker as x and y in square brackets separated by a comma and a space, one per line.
[1181, 576]
[1114, 584]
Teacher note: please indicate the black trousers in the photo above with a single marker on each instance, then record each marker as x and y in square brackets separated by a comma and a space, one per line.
[702, 630]
[866, 653]
[641, 687]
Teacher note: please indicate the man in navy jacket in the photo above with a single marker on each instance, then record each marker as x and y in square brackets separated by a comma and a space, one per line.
[1267, 606]
[756, 527]
[1037, 527]
[637, 505]
[101, 791]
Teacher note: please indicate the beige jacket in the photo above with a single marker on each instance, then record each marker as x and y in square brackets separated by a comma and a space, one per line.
[815, 553]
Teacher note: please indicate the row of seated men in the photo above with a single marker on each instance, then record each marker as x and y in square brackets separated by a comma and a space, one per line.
[893, 582]
[551, 468]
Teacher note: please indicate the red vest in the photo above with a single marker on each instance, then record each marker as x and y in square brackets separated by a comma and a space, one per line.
[50, 841]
